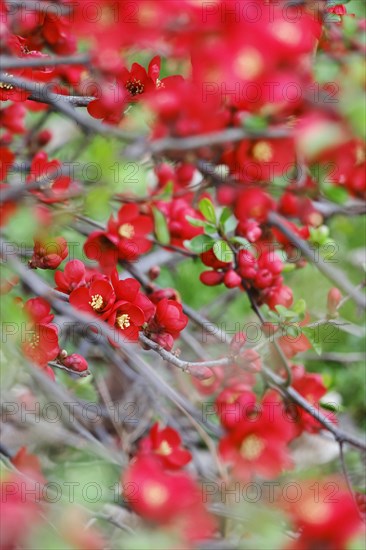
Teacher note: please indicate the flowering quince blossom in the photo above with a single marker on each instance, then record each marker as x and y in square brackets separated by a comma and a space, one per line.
[245, 124]
[48, 253]
[40, 167]
[42, 345]
[156, 499]
[124, 239]
[324, 522]
[257, 444]
[165, 443]
[96, 299]
[311, 386]
[167, 323]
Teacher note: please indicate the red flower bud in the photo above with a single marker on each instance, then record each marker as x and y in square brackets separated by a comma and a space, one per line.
[154, 272]
[75, 362]
[211, 278]
[333, 300]
[49, 253]
[237, 342]
[232, 279]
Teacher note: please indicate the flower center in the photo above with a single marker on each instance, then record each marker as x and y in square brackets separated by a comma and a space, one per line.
[155, 493]
[208, 381]
[123, 321]
[314, 512]
[159, 84]
[164, 449]
[96, 302]
[248, 64]
[251, 447]
[126, 230]
[6, 86]
[134, 86]
[262, 151]
[34, 343]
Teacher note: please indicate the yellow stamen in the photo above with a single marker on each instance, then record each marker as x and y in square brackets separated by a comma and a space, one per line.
[262, 151]
[164, 449]
[126, 230]
[251, 447]
[96, 302]
[155, 493]
[135, 87]
[123, 321]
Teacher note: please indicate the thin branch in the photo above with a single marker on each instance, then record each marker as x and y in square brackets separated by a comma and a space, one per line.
[331, 273]
[9, 62]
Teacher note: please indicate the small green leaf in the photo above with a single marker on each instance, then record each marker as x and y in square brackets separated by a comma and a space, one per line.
[161, 228]
[200, 244]
[223, 251]
[300, 306]
[230, 224]
[225, 214]
[313, 337]
[244, 243]
[196, 222]
[207, 210]
[255, 123]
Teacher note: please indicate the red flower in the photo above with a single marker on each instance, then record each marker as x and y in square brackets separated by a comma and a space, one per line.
[235, 404]
[157, 490]
[167, 498]
[128, 290]
[166, 445]
[210, 385]
[123, 239]
[98, 299]
[310, 386]
[176, 212]
[110, 104]
[261, 160]
[6, 161]
[324, 521]
[138, 81]
[48, 253]
[339, 9]
[258, 444]
[7, 208]
[38, 310]
[72, 277]
[57, 189]
[12, 118]
[168, 322]
[253, 203]
[169, 316]
[19, 507]
[42, 344]
[131, 309]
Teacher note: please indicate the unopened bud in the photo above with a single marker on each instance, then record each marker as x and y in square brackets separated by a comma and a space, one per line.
[333, 300]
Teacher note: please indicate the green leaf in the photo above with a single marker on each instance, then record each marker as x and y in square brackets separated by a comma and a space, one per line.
[200, 244]
[242, 241]
[161, 228]
[207, 210]
[97, 203]
[196, 222]
[223, 251]
[255, 123]
[230, 224]
[335, 193]
[313, 337]
[284, 312]
[225, 214]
